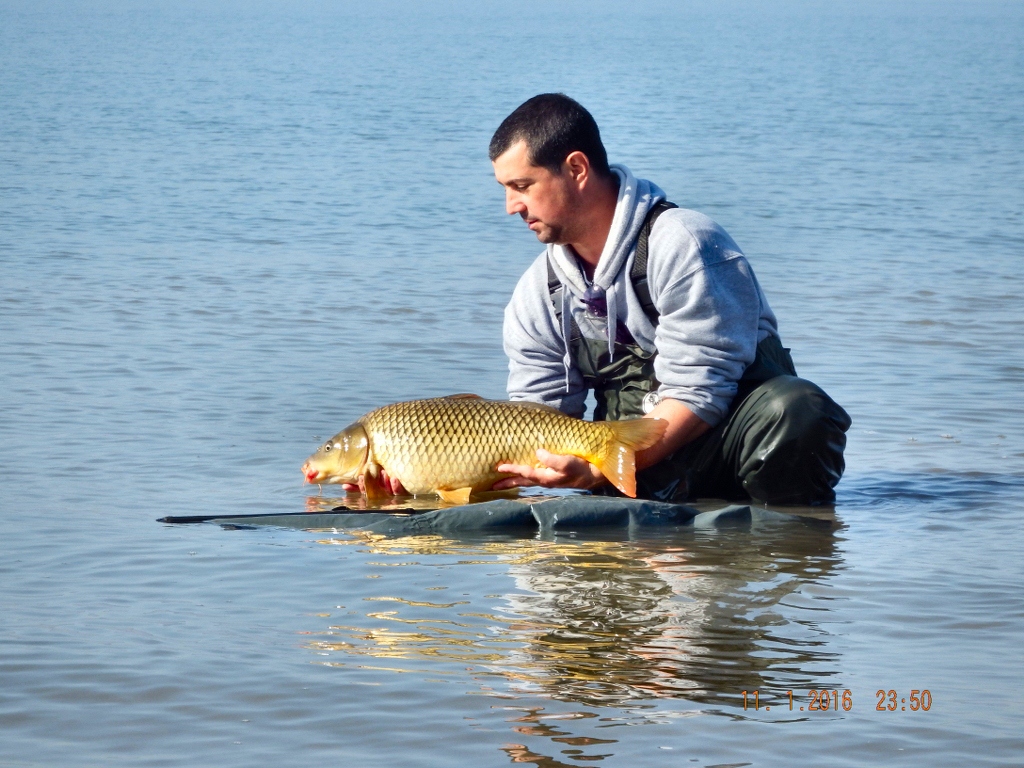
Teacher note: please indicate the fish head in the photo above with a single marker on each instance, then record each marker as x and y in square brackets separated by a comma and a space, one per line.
[342, 459]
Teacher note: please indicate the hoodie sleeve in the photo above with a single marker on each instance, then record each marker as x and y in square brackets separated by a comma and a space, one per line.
[535, 348]
[710, 310]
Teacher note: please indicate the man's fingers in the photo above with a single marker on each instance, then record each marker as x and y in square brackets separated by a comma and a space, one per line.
[552, 465]
[558, 462]
[391, 484]
[537, 475]
[524, 476]
[554, 471]
[513, 482]
[514, 469]
[518, 481]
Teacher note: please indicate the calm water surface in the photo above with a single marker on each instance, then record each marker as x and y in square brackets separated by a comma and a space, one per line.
[228, 231]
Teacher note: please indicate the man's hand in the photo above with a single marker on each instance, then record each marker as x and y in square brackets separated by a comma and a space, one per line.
[390, 484]
[556, 471]
[559, 471]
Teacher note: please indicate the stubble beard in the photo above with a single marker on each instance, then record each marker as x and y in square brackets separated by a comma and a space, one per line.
[557, 234]
[550, 233]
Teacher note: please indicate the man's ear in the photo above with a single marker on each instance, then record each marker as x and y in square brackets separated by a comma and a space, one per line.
[577, 165]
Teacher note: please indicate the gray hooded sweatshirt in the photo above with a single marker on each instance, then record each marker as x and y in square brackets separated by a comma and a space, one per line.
[712, 312]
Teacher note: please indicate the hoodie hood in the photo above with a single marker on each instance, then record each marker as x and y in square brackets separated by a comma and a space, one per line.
[636, 198]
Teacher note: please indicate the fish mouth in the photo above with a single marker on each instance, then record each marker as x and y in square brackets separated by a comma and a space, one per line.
[315, 476]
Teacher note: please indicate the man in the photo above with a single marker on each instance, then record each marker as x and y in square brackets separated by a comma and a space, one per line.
[657, 311]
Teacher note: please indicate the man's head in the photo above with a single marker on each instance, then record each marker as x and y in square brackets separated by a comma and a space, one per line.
[549, 157]
[553, 126]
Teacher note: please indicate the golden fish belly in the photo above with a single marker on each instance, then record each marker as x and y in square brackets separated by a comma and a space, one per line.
[450, 443]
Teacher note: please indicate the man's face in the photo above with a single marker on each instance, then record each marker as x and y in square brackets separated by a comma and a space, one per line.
[544, 200]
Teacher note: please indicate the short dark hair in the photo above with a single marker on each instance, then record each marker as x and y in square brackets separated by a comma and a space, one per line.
[553, 126]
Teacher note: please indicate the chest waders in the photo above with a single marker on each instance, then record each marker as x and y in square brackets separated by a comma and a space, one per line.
[781, 442]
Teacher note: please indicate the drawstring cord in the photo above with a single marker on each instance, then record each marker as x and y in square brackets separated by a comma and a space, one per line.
[566, 333]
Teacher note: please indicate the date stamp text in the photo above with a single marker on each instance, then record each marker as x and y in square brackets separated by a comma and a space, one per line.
[835, 700]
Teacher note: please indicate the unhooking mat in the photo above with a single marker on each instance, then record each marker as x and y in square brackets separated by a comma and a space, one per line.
[558, 514]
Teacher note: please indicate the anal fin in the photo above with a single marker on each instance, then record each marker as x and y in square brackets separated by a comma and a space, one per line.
[456, 496]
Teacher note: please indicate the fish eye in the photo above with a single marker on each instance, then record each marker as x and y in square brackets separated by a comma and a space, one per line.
[328, 447]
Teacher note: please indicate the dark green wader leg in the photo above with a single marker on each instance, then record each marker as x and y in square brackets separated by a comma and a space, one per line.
[781, 443]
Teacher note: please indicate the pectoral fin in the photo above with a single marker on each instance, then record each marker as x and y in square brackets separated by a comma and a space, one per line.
[372, 485]
[457, 496]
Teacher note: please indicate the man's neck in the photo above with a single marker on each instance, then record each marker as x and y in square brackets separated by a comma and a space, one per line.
[597, 212]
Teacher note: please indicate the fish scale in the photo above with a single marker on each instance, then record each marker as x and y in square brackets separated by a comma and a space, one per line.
[459, 442]
[455, 443]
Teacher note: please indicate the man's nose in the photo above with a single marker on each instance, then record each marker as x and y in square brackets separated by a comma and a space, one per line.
[514, 203]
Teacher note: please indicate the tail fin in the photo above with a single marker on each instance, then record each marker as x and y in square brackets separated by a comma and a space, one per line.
[618, 463]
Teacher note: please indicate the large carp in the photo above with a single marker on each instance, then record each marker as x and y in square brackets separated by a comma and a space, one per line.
[451, 446]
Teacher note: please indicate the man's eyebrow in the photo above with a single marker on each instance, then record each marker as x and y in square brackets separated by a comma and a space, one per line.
[520, 180]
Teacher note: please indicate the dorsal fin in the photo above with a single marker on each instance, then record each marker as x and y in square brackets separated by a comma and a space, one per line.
[462, 396]
[536, 406]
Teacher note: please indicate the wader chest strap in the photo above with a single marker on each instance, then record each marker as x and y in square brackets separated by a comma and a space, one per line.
[555, 289]
[638, 275]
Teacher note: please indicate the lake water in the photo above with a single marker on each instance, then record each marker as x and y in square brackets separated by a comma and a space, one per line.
[227, 230]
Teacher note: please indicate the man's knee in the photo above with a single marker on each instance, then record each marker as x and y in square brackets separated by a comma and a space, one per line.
[795, 442]
[799, 406]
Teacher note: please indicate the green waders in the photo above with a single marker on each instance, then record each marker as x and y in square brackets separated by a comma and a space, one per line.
[781, 442]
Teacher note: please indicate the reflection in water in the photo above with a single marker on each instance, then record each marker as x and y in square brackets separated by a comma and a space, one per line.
[695, 615]
[358, 502]
[702, 615]
[534, 722]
